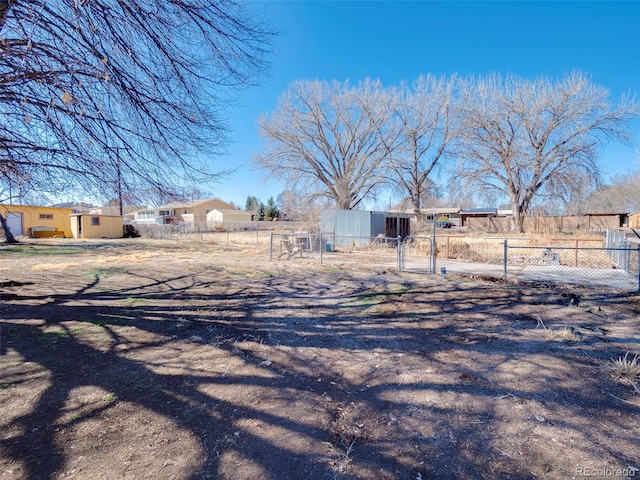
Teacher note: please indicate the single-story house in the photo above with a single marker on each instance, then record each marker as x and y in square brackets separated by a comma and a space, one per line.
[37, 222]
[77, 207]
[207, 210]
[113, 210]
[96, 226]
[441, 214]
[476, 213]
[634, 220]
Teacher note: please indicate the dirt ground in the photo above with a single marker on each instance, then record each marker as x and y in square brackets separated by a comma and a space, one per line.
[137, 359]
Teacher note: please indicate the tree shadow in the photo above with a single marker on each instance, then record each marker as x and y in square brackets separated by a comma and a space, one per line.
[292, 342]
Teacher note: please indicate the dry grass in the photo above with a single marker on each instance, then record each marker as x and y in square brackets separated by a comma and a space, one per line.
[45, 267]
[626, 369]
[564, 334]
[489, 249]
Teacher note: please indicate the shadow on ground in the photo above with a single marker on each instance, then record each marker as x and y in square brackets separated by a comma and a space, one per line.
[209, 369]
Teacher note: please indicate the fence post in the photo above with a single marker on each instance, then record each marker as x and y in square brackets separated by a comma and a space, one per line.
[257, 233]
[398, 253]
[638, 268]
[271, 246]
[505, 258]
[434, 253]
[322, 246]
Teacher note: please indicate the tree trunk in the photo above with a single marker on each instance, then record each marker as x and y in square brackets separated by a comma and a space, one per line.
[418, 213]
[416, 208]
[517, 218]
[7, 233]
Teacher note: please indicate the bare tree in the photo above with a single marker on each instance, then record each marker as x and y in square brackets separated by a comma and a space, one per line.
[621, 195]
[324, 139]
[109, 95]
[522, 136]
[571, 197]
[424, 116]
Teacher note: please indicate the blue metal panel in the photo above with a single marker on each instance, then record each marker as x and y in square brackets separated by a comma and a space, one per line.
[363, 225]
[378, 224]
[355, 223]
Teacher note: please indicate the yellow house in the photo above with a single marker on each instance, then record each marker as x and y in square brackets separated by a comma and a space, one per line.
[634, 220]
[37, 222]
[96, 226]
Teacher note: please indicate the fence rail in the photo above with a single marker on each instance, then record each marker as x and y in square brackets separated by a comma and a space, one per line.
[569, 262]
[230, 233]
[589, 266]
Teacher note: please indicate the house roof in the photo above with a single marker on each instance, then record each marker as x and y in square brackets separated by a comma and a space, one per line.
[215, 203]
[16, 207]
[478, 211]
[440, 210]
[72, 205]
[427, 211]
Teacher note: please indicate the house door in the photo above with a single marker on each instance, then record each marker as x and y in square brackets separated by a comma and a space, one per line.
[79, 217]
[14, 222]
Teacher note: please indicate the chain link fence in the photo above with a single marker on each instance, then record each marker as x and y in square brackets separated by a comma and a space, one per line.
[230, 233]
[611, 260]
[331, 249]
[587, 266]
[620, 248]
[580, 261]
[417, 255]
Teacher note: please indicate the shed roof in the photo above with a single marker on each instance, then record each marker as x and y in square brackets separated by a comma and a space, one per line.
[611, 214]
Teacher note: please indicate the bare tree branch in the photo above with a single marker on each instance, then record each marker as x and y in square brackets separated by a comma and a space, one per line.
[98, 90]
[424, 115]
[528, 136]
[324, 139]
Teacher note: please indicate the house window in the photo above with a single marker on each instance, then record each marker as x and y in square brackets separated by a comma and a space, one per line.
[95, 221]
[46, 216]
[164, 213]
[145, 215]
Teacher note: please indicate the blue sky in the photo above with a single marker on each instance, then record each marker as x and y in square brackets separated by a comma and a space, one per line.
[395, 41]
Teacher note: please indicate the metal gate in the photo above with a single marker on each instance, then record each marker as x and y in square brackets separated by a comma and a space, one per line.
[619, 245]
[416, 254]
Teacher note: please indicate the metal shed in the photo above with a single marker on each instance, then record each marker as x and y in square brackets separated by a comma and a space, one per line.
[364, 224]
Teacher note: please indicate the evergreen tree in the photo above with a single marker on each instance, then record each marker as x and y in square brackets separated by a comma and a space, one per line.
[261, 212]
[271, 211]
[251, 204]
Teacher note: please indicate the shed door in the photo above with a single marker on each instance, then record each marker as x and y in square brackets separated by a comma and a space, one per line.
[14, 222]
